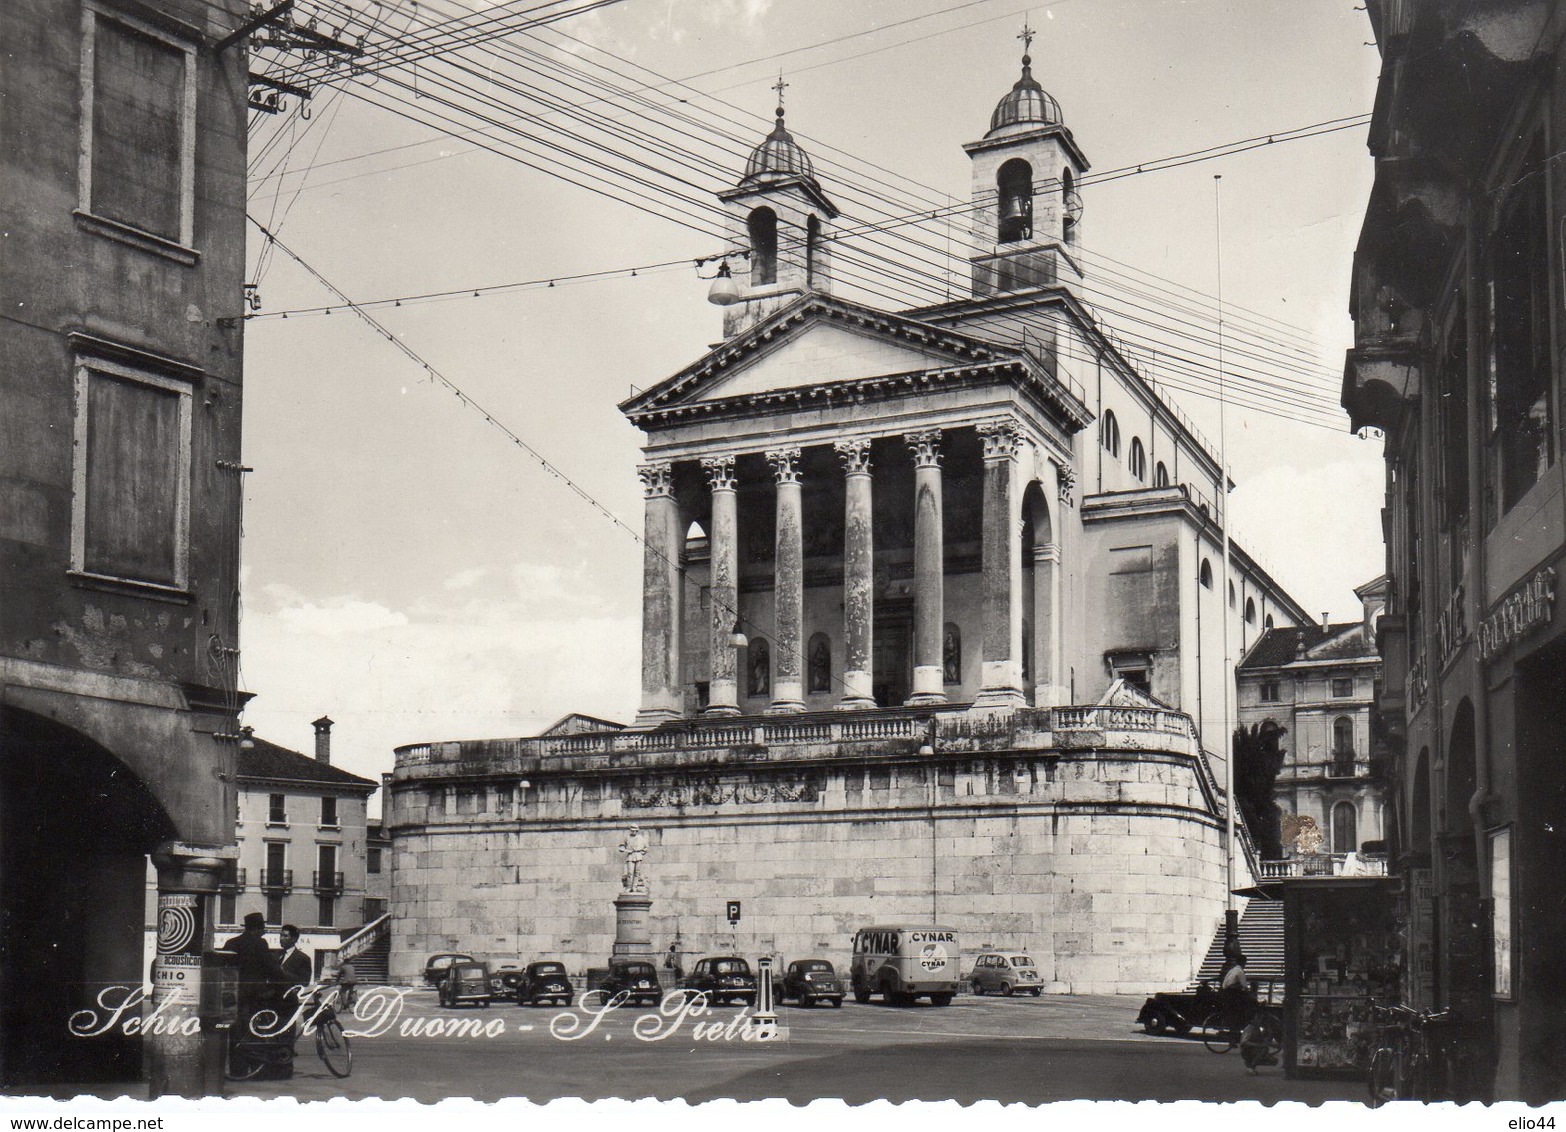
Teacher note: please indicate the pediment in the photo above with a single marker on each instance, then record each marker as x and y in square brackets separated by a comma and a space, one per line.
[823, 352]
[816, 341]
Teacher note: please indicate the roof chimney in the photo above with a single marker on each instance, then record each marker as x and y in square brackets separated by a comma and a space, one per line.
[323, 740]
[1326, 626]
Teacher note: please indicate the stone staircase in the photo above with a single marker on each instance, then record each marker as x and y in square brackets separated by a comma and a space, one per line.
[368, 949]
[372, 965]
[1261, 939]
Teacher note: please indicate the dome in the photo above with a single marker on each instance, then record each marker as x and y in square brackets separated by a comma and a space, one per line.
[1026, 102]
[778, 155]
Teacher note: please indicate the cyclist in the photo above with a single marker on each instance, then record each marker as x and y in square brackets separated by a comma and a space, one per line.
[1234, 992]
[1245, 1014]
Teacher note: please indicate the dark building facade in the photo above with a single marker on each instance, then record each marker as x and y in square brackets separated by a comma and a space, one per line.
[1457, 296]
[122, 188]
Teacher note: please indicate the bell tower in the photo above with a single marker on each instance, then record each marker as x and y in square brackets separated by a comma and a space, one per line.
[782, 219]
[1027, 215]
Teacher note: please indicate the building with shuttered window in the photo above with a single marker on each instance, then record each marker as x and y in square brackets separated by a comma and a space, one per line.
[122, 202]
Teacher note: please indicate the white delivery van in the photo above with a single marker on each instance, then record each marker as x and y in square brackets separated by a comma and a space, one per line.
[900, 962]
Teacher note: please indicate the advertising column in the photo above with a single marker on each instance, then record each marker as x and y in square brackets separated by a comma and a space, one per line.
[182, 1059]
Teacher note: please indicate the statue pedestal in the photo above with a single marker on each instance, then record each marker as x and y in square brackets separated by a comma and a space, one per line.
[632, 936]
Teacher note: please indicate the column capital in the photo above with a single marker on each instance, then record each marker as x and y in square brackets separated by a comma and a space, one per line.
[657, 479]
[785, 464]
[1046, 552]
[1001, 437]
[1067, 475]
[720, 472]
[855, 454]
[925, 446]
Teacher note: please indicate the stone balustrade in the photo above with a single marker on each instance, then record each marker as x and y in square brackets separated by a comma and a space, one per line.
[1326, 865]
[893, 731]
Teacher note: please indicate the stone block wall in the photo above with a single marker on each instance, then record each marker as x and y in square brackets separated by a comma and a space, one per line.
[1107, 866]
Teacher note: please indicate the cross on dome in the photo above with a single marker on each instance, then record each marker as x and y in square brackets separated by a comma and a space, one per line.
[779, 154]
[1026, 102]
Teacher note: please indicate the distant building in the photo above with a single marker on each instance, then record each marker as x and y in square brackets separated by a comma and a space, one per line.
[122, 203]
[304, 844]
[377, 871]
[934, 625]
[1317, 683]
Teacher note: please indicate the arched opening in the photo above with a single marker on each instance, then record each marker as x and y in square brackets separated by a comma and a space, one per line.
[1205, 574]
[758, 668]
[1419, 823]
[1138, 460]
[1250, 611]
[1231, 594]
[812, 239]
[763, 225]
[1070, 204]
[1160, 475]
[819, 660]
[1267, 622]
[1014, 190]
[1461, 773]
[1345, 828]
[1465, 927]
[1041, 582]
[76, 826]
[1109, 433]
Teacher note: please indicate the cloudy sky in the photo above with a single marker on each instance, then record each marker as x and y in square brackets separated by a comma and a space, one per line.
[413, 572]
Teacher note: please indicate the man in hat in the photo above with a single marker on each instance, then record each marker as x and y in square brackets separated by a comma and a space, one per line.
[257, 967]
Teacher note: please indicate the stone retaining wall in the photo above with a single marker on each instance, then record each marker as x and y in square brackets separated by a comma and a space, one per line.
[1106, 864]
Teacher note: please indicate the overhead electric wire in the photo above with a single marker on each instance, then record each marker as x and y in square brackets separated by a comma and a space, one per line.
[440, 378]
[1228, 147]
[912, 276]
[687, 135]
[1143, 167]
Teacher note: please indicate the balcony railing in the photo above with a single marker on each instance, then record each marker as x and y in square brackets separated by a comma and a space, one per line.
[1326, 865]
[277, 880]
[327, 882]
[233, 882]
[1342, 765]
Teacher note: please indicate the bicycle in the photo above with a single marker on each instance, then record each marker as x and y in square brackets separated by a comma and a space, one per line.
[250, 1051]
[1404, 1064]
[1258, 1040]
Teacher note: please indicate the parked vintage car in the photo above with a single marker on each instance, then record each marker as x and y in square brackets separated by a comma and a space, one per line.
[1180, 1012]
[723, 978]
[1005, 972]
[544, 981]
[809, 981]
[1177, 1012]
[466, 982]
[636, 978]
[436, 966]
[503, 980]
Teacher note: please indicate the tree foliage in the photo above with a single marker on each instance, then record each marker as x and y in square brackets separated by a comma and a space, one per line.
[1258, 757]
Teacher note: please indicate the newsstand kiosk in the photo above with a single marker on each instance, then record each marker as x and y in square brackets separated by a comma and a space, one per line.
[1342, 952]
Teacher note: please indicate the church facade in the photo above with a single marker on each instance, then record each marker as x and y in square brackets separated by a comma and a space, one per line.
[934, 628]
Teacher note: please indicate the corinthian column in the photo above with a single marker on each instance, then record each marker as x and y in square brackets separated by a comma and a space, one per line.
[1000, 680]
[929, 683]
[858, 573]
[661, 542]
[722, 690]
[788, 685]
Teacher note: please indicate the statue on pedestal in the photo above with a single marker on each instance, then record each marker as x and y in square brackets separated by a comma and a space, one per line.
[634, 850]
